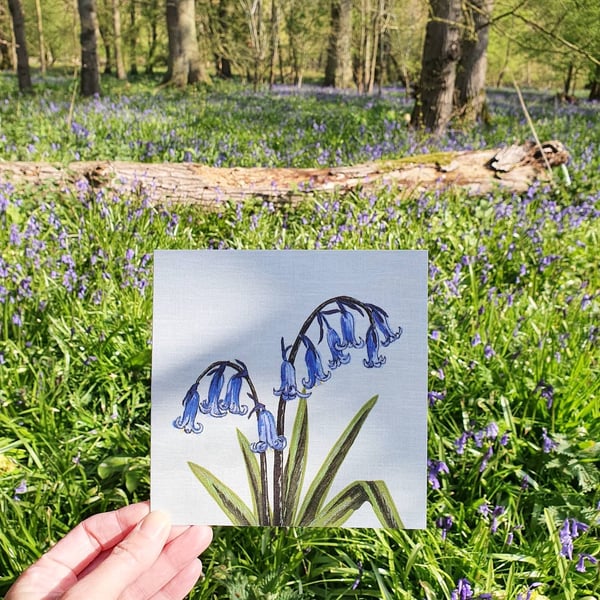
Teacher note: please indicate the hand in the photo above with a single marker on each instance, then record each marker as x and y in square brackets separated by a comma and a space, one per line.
[127, 554]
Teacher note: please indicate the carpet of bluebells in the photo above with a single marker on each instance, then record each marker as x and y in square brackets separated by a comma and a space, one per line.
[514, 420]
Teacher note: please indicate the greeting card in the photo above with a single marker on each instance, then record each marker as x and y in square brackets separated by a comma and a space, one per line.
[290, 387]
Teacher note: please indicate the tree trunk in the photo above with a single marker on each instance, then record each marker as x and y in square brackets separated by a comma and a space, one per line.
[90, 74]
[6, 33]
[595, 85]
[184, 64]
[441, 51]
[338, 69]
[118, 41]
[153, 41]
[23, 75]
[472, 66]
[40, 28]
[274, 42]
[221, 27]
[132, 39]
[569, 79]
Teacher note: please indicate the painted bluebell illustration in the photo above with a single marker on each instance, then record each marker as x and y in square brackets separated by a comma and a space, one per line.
[342, 326]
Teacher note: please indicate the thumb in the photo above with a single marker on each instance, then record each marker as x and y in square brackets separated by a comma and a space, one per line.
[128, 560]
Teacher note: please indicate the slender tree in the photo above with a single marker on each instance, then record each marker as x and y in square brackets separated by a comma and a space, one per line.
[472, 66]
[184, 65]
[220, 26]
[441, 52]
[40, 28]
[274, 42]
[18, 20]
[338, 69]
[132, 38]
[118, 42]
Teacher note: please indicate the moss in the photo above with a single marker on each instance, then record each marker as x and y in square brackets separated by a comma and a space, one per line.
[434, 158]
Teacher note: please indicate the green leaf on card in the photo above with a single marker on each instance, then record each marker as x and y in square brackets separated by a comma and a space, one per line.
[295, 466]
[321, 484]
[229, 502]
[352, 497]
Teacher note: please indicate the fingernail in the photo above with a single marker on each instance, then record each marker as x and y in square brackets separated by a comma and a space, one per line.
[156, 524]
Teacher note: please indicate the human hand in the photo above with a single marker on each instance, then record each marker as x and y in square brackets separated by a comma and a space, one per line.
[127, 554]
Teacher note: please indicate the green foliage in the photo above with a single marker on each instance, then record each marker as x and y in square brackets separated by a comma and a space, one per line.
[513, 311]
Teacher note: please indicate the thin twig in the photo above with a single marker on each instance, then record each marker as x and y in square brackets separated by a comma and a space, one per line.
[532, 127]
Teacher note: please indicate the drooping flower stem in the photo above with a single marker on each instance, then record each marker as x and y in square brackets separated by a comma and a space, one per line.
[264, 509]
[279, 476]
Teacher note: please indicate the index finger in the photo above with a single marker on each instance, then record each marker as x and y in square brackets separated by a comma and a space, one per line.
[95, 535]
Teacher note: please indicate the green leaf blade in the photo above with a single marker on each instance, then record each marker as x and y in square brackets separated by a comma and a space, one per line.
[229, 502]
[352, 497]
[295, 466]
[254, 479]
[322, 482]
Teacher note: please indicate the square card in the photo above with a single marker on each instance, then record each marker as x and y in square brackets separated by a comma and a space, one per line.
[290, 387]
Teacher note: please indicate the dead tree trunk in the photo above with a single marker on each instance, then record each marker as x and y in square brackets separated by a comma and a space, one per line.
[481, 172]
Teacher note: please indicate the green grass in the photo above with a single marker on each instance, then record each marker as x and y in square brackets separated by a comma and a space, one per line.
[513, 310]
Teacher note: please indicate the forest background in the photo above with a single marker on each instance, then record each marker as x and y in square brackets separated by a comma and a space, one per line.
[442, 51]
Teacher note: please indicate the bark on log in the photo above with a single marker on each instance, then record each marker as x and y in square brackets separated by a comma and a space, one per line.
[513, 168]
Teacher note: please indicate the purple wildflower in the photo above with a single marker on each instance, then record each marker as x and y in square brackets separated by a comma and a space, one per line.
[462, 591]
[571, 528]
[445, 524]
[434, 397]
[546, 392]
[581, 562]
[548, 444]
[461, 442]
[435, 468]
[497, 512]
[486, 457]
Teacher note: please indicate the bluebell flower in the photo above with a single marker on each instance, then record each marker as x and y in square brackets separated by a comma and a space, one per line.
[373, 358]
[497, 512]
[571, 528]
[348, 333]
[232, 394]
[187, 421]
[288, 389]
[546, 392]
[581, 562]
[445, 524]
[334, 342]
[313, 364]
[461, 442]
[435, 468]
[380, 317]
[548, 444]
[267, 432]
[486, 457]
[463, 590]
[212, 405]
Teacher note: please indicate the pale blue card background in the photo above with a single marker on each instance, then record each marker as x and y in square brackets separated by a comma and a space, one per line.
[224, 305]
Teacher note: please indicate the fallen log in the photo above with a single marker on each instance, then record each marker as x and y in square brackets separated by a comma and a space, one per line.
[513, 168]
